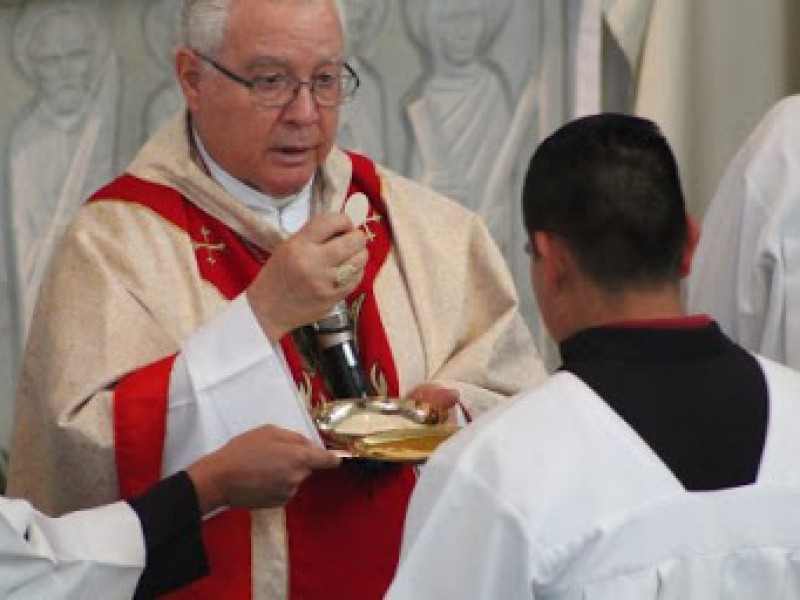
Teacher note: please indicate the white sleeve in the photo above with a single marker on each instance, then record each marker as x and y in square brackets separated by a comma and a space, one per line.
[97, 553]
[746, 268]
[229, 378]
[735, 275]
[460, 541]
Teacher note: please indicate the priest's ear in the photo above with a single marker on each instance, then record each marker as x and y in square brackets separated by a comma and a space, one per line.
[692, 239]
[187, 70]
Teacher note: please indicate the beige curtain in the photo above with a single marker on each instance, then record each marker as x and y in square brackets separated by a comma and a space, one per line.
[710, 70]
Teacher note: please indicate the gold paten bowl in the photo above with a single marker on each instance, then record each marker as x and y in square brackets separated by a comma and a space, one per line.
[402, 445]
[384, 429]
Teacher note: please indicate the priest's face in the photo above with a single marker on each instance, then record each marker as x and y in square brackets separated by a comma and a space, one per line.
[273, 149]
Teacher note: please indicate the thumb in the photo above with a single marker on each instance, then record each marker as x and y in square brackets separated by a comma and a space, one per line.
[323, 459]
[436, 394]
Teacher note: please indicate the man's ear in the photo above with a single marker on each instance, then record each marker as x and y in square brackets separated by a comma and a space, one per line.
[692, 239]
[553, 261]
[187, 71]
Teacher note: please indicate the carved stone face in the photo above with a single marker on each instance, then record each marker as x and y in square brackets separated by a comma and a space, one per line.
[60, 53]
[358, 13]
[459, 26]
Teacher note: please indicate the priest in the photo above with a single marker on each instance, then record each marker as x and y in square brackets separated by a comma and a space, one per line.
[166, 324]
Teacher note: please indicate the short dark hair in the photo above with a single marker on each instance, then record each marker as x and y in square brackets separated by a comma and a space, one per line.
[609, 186]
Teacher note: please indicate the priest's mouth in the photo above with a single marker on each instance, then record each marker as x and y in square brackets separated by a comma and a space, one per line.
[294, 150]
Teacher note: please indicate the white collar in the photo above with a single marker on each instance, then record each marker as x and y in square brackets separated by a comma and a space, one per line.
[288, 214]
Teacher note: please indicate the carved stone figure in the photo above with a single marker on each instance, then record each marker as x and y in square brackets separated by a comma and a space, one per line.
[459, 113]
[160, 26]
[62, 148]
[362, 124]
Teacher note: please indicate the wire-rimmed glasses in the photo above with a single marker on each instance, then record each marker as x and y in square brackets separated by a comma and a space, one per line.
[330, 86]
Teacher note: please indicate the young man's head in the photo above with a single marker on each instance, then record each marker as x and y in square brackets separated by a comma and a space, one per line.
[605, 214]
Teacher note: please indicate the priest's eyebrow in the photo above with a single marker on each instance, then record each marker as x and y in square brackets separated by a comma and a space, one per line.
[266, 62]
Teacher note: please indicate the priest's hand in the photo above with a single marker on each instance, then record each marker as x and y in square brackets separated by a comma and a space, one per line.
[258, 469]
[441, 400]
[307, 274]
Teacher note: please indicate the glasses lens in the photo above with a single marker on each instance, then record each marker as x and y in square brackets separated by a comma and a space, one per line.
[273, 91]
[334, 89]
[328, 89]
[349, 83]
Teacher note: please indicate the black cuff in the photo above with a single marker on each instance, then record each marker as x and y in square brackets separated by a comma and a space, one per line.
[171, 521]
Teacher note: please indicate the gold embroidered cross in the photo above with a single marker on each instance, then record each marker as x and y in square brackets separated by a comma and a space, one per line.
[208, 245]
[375, 219]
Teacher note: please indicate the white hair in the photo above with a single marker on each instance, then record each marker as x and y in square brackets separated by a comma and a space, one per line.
[340, 10]
[203, 23]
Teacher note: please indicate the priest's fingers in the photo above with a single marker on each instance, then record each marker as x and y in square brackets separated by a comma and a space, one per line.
[330, 239]
[348, 274]
[323, 227]
[440, 398]
[334, 239]
[345, 247]
[307, 274]
[435, 393]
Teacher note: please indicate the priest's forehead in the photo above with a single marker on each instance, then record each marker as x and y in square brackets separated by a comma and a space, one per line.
[309, 28]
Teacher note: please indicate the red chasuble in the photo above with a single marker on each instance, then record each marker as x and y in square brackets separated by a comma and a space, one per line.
[343, 526]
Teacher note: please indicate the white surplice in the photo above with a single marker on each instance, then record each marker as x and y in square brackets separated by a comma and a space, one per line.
[96, 553]
[746, 271]
[554, 496]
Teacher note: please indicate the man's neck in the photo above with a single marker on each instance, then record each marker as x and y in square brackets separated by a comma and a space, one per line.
[596, 308]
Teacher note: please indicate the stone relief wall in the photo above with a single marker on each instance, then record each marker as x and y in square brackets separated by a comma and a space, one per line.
[61, 148]
[454, 93]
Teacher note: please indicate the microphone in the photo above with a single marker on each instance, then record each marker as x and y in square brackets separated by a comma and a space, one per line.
[336, 357]
[337, 354]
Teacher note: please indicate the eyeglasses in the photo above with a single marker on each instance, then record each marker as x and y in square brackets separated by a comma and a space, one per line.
[330, 86]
